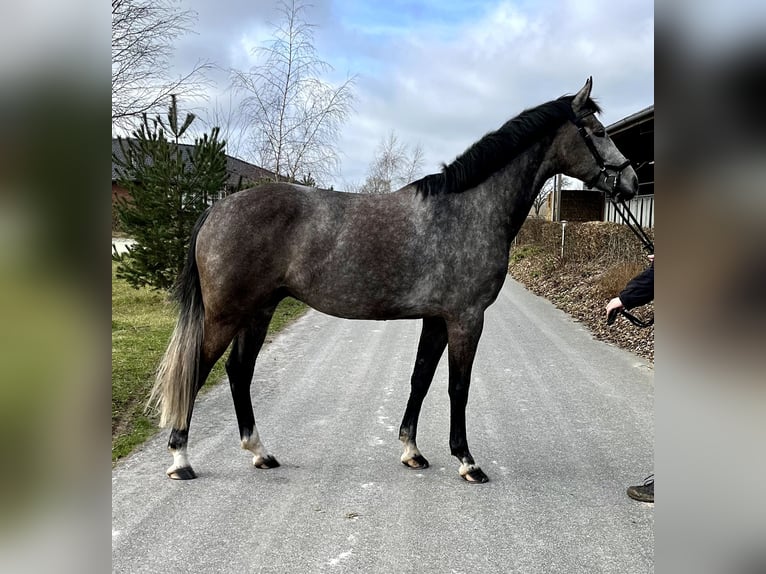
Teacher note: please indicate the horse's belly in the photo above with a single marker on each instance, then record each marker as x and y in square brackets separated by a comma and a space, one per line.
[355, 302]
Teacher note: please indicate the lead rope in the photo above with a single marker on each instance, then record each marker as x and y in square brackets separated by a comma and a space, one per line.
[633, 224]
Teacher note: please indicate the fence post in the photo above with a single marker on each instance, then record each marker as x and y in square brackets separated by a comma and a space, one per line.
[563, 228]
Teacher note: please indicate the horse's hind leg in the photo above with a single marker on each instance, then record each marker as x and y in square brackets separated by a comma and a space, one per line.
[240, 367]
[433, 340]
[216, 338]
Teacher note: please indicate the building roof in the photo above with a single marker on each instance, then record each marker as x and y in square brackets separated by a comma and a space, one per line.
[632, 120]
[235, 167]
[634, 137]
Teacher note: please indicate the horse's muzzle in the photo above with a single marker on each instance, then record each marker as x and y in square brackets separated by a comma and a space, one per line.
[626, 184]
[619, 182]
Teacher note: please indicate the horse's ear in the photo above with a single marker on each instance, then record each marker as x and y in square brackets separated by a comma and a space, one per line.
[582, 96]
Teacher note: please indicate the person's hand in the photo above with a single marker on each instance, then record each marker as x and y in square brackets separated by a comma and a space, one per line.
[650, 257]
[611, 310]
[613, 304]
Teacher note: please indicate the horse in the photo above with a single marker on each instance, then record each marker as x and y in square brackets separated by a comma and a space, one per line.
[437, 250]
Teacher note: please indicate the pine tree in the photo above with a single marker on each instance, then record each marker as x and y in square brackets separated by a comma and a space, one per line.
[169, 186]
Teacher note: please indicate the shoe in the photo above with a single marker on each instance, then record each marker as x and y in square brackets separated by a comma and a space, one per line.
[643, 492]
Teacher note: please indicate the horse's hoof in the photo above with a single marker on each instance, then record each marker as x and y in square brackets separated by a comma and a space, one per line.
[417, 462]
[264, 462]
[475, 475]
[185, 473]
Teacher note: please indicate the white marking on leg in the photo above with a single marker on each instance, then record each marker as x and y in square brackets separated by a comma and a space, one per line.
[466, 468]
[410, 452]
[180, 460]
[253, 444]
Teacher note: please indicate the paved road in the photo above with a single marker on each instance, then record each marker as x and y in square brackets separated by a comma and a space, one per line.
[561, 423]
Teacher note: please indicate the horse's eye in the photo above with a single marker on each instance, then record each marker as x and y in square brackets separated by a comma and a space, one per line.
[599, 132]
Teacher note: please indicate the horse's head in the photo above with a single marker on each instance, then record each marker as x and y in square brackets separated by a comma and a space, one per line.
[590, 154]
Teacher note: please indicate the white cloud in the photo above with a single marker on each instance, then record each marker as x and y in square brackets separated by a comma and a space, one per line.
[444, 75]
[447, 92]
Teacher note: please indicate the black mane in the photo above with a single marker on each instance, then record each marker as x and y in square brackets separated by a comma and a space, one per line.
[497, 148]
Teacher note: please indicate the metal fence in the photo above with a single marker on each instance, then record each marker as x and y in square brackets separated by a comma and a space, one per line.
[641, 206]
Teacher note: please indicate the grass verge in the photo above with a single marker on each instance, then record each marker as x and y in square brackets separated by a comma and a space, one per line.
[142, 321]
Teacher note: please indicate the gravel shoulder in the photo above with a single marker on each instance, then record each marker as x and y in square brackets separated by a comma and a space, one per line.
[574, 288]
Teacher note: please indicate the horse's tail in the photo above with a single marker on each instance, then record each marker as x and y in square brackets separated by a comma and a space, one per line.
[178, 373]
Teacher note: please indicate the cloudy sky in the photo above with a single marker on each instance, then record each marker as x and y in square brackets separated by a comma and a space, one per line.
[441, 73]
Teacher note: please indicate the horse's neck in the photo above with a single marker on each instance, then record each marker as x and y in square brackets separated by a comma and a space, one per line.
[513, 189]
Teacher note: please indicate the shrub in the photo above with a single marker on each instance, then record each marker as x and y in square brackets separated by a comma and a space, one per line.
[606, 242]
[169, 188]
[614, 279]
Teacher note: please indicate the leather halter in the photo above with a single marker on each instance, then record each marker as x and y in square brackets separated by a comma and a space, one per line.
[609, 172]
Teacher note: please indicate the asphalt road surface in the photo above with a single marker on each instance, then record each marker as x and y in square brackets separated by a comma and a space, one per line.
[561, 423]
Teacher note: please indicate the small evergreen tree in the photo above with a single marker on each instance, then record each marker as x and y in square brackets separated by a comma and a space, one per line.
[169, 187]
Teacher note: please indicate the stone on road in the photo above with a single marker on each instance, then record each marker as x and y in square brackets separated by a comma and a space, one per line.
[560, 422]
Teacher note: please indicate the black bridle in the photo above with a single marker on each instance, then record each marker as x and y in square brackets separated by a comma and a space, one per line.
[610, 173]
[611, 176]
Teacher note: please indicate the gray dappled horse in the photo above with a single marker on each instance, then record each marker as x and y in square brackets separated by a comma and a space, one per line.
[436, 249]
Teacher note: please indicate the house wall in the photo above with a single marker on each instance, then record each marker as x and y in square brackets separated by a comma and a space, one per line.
[581, 205]
[118, 191]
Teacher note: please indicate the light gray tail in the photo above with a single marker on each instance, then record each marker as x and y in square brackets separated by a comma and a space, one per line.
[178, 373]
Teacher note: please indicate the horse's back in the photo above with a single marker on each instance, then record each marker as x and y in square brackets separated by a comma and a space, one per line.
[350, 255]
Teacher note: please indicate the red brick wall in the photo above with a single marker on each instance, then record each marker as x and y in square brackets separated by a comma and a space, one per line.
[117, 191]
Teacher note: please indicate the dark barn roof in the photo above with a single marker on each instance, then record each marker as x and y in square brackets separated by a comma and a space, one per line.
[634, 136]
[235, 167]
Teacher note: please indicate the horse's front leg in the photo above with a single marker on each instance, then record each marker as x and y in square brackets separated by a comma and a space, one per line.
[433, 340]
[240, 366]
[463, 340]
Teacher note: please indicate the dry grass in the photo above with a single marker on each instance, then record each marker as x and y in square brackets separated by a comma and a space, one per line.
[599, 260]
[614, 278]
[609, 243]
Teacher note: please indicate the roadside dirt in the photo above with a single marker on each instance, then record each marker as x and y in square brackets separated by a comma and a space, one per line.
[578, 291]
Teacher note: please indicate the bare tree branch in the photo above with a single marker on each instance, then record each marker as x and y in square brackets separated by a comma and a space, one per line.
[294, 117]
[143, 37]
[394, 166]
[228, 118]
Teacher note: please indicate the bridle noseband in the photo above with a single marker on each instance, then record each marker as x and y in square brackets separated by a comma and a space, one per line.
[609, 172]
[619, 204]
